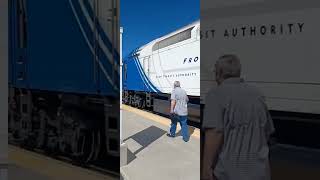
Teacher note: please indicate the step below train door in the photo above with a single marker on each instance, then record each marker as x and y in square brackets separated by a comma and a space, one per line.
[150, 74]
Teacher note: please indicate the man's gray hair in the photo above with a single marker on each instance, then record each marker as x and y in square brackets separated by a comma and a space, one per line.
[176, 84]
[228, 66]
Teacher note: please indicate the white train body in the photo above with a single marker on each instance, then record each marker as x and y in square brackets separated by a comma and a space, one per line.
[174, 57]
[277, 43]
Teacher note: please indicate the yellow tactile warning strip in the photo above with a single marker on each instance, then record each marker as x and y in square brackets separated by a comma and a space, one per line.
[51, 168]
[162, 120]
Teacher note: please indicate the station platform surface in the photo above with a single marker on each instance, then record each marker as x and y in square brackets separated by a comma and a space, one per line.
[153, 155]
[25, 164]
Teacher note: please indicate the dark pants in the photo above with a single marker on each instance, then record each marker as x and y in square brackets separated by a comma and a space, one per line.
[184, 126]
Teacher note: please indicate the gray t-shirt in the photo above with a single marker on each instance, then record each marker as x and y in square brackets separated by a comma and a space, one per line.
[240, 112]
[181, 98]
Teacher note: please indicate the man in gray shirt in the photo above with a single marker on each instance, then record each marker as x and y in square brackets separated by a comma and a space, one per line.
[237, 127]
[179, 111]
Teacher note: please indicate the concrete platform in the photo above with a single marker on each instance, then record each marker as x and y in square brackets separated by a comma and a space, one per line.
[153, 155]
[25, 164]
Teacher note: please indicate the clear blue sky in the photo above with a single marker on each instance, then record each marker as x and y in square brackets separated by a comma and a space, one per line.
[146, 20]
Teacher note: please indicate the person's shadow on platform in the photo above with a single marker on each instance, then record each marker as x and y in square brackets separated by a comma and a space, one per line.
[144, 138]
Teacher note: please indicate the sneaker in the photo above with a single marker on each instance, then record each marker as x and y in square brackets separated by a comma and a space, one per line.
[169, 135]
[186, 140]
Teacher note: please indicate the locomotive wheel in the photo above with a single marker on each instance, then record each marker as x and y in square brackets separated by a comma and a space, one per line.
[143, 102]
[91, 146]
[98, 145]
[88, 147]
[82, 147]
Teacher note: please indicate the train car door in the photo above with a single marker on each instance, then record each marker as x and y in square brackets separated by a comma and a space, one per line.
[107, 66]
[18, 43]
[106, 46]
[146, 65]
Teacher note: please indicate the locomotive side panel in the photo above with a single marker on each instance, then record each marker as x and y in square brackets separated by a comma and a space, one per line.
[277, 45]
[65, 78]
[133, 79]
[65, 51]
[180, 62]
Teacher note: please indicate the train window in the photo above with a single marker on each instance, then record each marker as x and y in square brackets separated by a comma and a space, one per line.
[184, 35]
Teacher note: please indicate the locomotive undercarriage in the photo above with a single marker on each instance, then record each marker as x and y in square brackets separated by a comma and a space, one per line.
[160, 104]
[61, 125]
[140, 100]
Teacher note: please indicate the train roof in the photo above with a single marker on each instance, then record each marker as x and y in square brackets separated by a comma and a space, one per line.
[195, 23]
[178, 30]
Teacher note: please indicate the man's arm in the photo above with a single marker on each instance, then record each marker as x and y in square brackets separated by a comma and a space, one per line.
[173, 104]
[269, 126]
[211, 149]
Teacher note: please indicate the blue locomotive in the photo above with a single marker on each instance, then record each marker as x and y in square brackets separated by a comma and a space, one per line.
[64, 77]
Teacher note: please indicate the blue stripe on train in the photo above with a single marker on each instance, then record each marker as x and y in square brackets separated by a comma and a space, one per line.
[136, 67]
[134, 80]
[135, 70]
[101, 32]
[89, 34]
[149, 83]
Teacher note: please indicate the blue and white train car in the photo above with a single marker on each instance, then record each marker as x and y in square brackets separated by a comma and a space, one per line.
[150, 71]
[64, 76]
